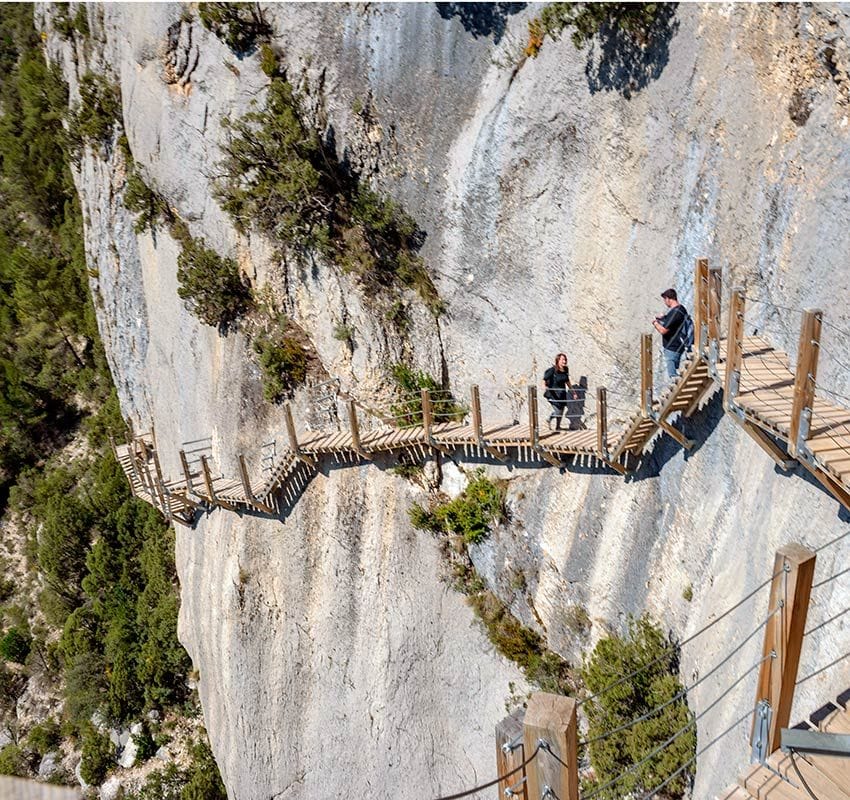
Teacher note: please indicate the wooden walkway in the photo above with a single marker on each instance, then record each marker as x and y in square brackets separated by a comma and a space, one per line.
[779, 407]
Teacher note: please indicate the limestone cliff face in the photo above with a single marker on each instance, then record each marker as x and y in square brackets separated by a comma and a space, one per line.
[558, 198]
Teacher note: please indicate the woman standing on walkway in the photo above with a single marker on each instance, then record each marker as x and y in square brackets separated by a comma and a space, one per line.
[556, 379]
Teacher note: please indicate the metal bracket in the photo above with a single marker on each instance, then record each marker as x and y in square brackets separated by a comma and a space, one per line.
[761, 733]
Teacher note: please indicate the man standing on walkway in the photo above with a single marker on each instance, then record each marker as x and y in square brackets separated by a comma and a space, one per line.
[673, 329]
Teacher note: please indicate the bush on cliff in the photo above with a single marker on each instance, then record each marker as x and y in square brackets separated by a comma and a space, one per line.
[211, 285]
[280, 176]
[470, 515]
[644, 648]
[587, 19]
[239, 25]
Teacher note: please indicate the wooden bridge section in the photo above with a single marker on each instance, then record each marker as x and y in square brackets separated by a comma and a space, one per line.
[779, 407]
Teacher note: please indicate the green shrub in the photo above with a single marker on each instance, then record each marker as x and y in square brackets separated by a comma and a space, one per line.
[522, 645]
[239, 25]
[15, 645]
[44, 737]
[587, 19]
[13, 761]
[344, 333]
[212, 286]
[284, 359]
[656, 684]
[281, 177]
[67, 27]
[269, 62]
[470, 514]
[93, 120]
[151, 207]
[98, 756]
[200, 781]
[146, 746]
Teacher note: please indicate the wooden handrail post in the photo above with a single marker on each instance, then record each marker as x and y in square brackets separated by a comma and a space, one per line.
[533, 418]
[646, 375]
[476, 414]
[715, 302]
[427, 414]
[804, 382]
[734, 350]
[602, 421]
[293, 437]
[534, 429]
[205, 468]
[550, 724]
[701, 312]
[510, 754]
[793, 570]
[246, 486]
[354, 426]
[478, 426]
[187, 473]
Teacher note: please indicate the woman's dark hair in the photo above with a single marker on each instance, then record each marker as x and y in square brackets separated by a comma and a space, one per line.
[557, 358]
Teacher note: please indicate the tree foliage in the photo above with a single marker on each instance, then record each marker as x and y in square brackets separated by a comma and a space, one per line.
[94, 118]
[281, 177]
[587, 19]
[239, 25]
[49, 348]
[646, 651]
[211, 285]
[470, 515]
[200, 781]
[284, 358]
[15, 645]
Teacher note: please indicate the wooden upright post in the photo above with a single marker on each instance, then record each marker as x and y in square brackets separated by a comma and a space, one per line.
[701, 311]
[246, 486]
[510, 754]
[804, 382]
[533, 418]
[427, 414]
[602, 421]
[715, 299]
[534, 429]
[550, 723]
[476, 414]
[187, 473]
[478, 426]
[293, 437]
[734, 349]
[793, 570]
[131, 451]
[646, 375]
[354, 426]
[208, 482]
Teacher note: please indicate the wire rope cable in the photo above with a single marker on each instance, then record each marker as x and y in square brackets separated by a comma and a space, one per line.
[678, 645]
[683, 692]
[806, 786]
[699, 752]
[684, 729]
[496, 781]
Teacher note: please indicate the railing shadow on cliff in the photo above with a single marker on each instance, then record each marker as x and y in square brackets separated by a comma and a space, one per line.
[619, 62]
[481, 19]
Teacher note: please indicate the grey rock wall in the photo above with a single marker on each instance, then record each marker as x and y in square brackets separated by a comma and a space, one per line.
[558, 201]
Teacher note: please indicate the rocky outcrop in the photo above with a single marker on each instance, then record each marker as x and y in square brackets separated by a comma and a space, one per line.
[557, 199]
